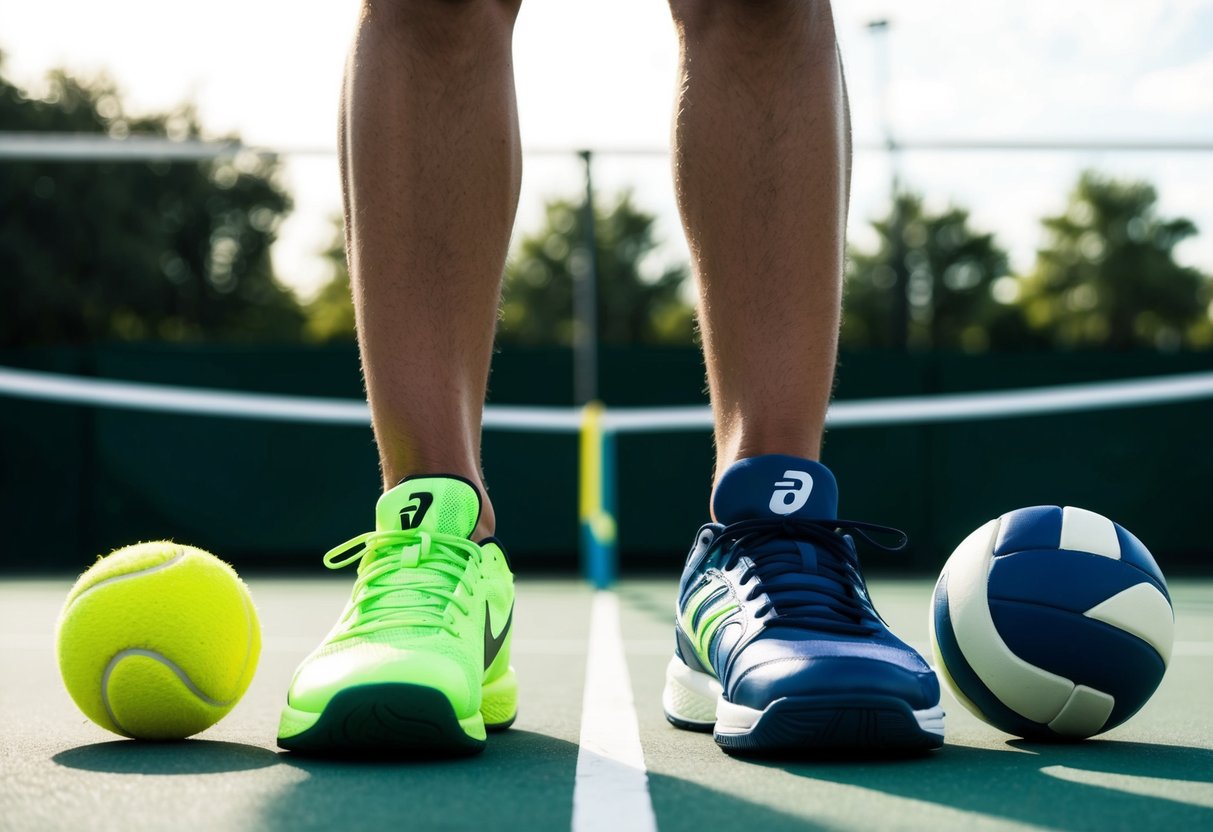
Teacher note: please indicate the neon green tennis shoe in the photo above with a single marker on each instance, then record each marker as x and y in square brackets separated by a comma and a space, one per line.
[419, 662]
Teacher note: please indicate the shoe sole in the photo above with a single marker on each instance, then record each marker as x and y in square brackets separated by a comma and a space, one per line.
[804, 725]
[833, 723]
[391, 720]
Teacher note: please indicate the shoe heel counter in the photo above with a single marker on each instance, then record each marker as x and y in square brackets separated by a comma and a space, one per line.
[493, 543]
[686, 652]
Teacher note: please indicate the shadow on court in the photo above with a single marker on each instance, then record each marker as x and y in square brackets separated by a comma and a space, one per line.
[1093, 785]
[185, 757]
[523, 780]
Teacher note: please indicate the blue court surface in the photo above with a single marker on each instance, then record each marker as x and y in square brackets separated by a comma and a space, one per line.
[594, 754]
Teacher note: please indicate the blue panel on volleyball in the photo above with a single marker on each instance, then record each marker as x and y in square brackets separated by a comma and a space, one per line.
[1038, 527]
[1134, 553]
[1075, 581]
[1086, 652]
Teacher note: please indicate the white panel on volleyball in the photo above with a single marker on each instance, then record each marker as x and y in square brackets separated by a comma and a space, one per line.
[1084, 713]
[1086, 531]
[1143, 611]
[1029, 691]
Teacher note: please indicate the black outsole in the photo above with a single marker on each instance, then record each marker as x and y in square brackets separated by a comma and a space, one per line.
[386, 720]
[697, 727]
[812, 726]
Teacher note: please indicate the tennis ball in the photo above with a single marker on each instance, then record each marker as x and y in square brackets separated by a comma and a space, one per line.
[158, 641]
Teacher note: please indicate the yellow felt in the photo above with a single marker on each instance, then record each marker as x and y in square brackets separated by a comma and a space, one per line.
[126, 561]
[176, 601]
[149, 701]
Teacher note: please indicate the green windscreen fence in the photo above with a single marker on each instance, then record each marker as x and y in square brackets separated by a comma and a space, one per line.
[77, 481]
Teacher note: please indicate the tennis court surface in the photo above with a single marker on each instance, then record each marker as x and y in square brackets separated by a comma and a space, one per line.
[596, 758]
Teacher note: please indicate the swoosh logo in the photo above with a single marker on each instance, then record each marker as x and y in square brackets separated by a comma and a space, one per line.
[494, 643]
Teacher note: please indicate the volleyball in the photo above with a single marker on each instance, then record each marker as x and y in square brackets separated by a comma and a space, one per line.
[1052, 623]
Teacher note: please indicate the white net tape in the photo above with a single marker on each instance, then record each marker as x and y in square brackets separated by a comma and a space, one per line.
[76, 390]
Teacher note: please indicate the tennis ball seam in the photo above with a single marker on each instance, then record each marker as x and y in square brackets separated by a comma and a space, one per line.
[138, 573]
[156, 657]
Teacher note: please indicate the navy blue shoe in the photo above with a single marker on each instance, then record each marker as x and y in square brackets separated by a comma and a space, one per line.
[778, 647]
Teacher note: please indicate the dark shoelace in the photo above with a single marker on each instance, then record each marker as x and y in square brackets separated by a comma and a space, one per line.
[825, 598]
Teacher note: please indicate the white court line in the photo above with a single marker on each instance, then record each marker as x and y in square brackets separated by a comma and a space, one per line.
[611, 790]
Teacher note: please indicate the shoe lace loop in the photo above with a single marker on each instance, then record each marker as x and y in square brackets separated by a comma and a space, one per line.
[829, 596]
[405, 578]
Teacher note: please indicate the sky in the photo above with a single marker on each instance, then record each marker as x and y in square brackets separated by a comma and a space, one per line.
[599, 74]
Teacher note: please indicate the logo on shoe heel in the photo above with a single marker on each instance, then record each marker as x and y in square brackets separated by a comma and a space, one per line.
[791, 493]
[412, 514]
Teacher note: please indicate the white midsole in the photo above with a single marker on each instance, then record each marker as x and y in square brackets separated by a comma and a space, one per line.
[697, 698]
[690, 696]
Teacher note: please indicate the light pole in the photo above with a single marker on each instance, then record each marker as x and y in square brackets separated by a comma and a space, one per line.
[900, 319]
[585, 297]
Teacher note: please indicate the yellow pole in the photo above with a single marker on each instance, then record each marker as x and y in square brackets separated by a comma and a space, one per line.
[597, 523]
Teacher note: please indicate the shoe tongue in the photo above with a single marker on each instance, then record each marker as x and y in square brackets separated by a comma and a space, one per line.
[774, 487]
[434, 504]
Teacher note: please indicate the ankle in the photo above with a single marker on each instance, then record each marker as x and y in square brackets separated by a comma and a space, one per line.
[486, 526]
[794, 444]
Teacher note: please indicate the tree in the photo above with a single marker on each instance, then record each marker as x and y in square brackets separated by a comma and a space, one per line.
[330, 314]
[134, 250]
[637, 303]
[1107, 276]
[537, 305]
[953, 272]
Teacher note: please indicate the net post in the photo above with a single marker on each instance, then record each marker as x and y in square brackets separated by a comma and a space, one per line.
[596, 498]
[609, 549]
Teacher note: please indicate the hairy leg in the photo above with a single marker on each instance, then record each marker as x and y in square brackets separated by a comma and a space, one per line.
[762, 169]
[431, 165]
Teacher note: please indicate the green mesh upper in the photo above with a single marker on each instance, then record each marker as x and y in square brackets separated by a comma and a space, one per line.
[451, 506]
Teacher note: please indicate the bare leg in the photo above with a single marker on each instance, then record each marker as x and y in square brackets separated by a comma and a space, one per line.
[431, 167]
[762, 167]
